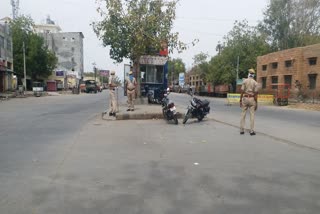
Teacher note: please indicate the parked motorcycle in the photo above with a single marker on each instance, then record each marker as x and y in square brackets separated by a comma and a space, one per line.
[168, 108]
[198, 109]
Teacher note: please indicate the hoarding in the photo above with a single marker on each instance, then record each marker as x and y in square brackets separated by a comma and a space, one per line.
[60, 73]
[104, 73]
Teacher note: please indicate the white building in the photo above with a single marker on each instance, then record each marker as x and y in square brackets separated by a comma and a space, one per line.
[68, 48]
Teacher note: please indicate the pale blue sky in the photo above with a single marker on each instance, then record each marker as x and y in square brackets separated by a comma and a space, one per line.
[206, 20]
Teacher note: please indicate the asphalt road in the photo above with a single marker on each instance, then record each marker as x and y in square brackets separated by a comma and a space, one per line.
[300, 127]
[58, 156]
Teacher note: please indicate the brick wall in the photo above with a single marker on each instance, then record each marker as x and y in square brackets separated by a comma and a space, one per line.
[292, 62]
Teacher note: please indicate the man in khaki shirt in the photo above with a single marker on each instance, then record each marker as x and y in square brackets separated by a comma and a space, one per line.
[248, 100]
[131, 90]
[112, 88]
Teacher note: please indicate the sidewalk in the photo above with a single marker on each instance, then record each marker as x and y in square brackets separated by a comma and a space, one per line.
[142, 111]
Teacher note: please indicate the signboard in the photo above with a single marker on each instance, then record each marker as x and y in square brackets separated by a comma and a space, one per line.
[262, 98]
[239, 81]
[60, 73]
[181, 79]
[153, 60]
[104, 73]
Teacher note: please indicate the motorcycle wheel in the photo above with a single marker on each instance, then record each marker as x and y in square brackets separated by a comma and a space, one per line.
[186, 117]
[164, 113]
[200, 117]
[175, 118]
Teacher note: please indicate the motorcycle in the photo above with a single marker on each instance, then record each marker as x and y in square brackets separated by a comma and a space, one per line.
[168, 108]
[198, 109]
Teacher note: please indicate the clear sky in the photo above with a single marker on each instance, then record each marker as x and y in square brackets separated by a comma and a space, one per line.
[206, 20]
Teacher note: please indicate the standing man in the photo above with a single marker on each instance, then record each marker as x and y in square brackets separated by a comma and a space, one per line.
[112, 92]
[131, 91]
[248, 100]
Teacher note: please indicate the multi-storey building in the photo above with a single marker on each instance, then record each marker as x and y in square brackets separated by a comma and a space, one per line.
[194, 79]
[68, 47]
[6, 57]
[298, 67]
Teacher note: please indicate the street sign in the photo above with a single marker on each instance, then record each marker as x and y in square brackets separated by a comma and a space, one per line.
[181, 79]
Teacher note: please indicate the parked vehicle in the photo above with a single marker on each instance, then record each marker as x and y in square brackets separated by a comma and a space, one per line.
[156, 96]
[37, 88]
[91, 86]
[214, 90]
[197, 109]
[168, 108]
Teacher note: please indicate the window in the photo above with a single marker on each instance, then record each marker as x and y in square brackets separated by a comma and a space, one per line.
[151, 73]
[288, 79]
[312, 81]
[288, 63]
[9, 65]
[313, 61]
[264, 82]
[274, 65]
[274, 80]
[264, 67]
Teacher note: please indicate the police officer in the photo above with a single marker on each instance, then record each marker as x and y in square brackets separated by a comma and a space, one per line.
[131, 91]
[112, 88]
[248, 100]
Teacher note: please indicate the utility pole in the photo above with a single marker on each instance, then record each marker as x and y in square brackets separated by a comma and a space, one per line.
[24, 67]
[94, 70]
[237, 69]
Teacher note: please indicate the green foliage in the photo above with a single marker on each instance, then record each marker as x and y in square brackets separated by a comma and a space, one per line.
[291, 23]
[40, 62]
[175, 66]
[242, 41]
[201, 65]
[137, 27]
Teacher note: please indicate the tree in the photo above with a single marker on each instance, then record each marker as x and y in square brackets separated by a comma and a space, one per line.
[291, 23]
[39, 60]
[175, 66]
[201, 65]
[242, 41]
[137, 27]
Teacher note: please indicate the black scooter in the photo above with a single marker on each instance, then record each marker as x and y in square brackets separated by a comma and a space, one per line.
[198, 109]
[168, 108]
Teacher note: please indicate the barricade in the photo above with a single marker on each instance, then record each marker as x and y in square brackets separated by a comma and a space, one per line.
[263, 99]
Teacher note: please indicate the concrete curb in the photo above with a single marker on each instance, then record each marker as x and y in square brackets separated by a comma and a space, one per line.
[142, 112]
[142, 116]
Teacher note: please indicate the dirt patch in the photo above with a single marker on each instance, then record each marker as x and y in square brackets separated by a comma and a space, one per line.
[306, 106]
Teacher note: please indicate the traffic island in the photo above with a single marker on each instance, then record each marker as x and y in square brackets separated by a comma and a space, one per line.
[142, 112]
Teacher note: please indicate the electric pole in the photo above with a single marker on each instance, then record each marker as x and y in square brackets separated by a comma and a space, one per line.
[24, 67]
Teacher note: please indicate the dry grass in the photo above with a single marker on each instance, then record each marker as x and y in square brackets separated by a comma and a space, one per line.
[306, 106]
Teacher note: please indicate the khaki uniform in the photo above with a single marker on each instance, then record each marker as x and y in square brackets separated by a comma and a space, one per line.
[249, 88]
[112, 92]
[131, 92]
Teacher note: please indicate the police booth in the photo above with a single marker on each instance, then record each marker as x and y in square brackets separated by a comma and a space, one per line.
[153, 77]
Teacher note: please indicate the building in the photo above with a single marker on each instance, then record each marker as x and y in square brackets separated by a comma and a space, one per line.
[6, 58]
[68, 48]
[193, 79]
[298, 67]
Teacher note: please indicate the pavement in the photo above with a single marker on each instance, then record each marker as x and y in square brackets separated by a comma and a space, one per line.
[142, 111]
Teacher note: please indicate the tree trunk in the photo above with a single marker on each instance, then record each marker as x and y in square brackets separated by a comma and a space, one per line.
[136, 71]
